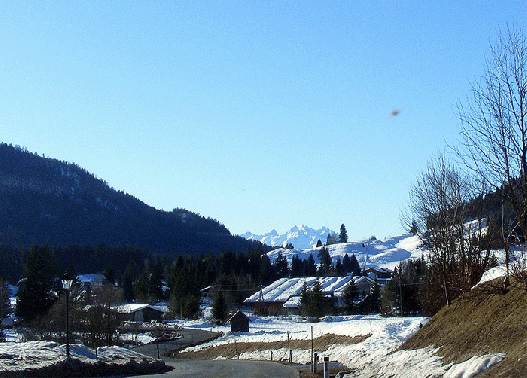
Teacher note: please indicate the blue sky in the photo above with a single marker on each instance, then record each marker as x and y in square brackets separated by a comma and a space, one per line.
[262, 115]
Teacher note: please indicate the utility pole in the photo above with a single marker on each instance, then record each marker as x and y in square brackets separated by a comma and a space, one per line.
[312, 350]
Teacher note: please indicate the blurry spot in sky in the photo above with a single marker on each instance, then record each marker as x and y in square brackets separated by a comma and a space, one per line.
[395, 113]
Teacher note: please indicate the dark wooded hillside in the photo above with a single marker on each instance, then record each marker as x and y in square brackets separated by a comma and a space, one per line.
[47, 201]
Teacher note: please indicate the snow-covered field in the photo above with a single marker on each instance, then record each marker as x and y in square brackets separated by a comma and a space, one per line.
[374, 357]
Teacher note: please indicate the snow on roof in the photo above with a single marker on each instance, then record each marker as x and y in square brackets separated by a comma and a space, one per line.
[285, 288]
[293, 302]
[237, 314]
[379, 270]
[133, 307]
[95, 278]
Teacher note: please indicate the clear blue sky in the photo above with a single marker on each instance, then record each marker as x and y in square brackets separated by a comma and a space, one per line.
[262, 115]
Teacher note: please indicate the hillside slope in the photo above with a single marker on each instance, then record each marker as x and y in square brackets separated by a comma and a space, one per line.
[46, 201]
[486, 320]
[386, 253]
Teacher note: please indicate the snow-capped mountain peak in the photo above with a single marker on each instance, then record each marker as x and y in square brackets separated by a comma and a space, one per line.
[302, 237]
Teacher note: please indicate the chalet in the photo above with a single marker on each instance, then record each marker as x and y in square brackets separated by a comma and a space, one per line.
[283, 295]
[90, 281]
[140, 312]
[381, 275]
[239, 322]
[206, 292]
[364, 284]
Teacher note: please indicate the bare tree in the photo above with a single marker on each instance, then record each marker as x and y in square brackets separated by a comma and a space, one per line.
[493, 124]
[99, 318]
[439, 205]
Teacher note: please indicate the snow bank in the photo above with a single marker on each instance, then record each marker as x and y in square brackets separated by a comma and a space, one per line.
[49, 358]
[474, 366]
[376, 356]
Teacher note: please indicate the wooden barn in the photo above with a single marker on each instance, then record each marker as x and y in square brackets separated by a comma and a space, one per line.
[239, 322]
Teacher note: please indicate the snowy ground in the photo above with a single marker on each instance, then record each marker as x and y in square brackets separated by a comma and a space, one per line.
[25, 357]
[374, 357]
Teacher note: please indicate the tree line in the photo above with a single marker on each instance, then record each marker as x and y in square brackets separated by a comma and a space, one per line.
[133, 276]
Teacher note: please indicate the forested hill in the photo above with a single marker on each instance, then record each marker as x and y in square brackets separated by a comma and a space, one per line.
[47, 201]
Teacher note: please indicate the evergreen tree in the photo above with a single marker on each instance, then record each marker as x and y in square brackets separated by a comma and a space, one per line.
[280, 266]
[127, 280]
[325, 261]
[35, 296]
[372, 302]
[332, 239]
[220, 312]
[109, 275]
[266, 270]
[312, 301]
[349, 296]
[310, 268]
[141, 288]
[346, 264]
[414, 228]
[339, 271]
[185, 307]
[297, 266]
[343, 236]
[355, 267]
[156, 281]
[403, 290]
[4, 302]
[350, 265]
[228, 263]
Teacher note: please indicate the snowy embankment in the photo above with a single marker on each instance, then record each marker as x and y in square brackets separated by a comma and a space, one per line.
[376, 356]
[46, 358]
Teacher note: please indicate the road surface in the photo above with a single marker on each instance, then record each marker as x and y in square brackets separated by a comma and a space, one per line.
[205, 368]
[226, 369]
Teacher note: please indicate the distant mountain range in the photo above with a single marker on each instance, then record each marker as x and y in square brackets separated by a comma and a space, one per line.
[302, 237]
[47, 201]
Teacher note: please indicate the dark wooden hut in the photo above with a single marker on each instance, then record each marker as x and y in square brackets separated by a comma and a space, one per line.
[239, 322]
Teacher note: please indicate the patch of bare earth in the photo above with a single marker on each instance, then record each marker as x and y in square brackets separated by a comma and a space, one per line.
[488, 319]
[232, 350]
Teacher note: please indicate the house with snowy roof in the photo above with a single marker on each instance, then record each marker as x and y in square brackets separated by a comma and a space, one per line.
[381, 275]
[283, 295]
[90, 281]
[140, 312]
